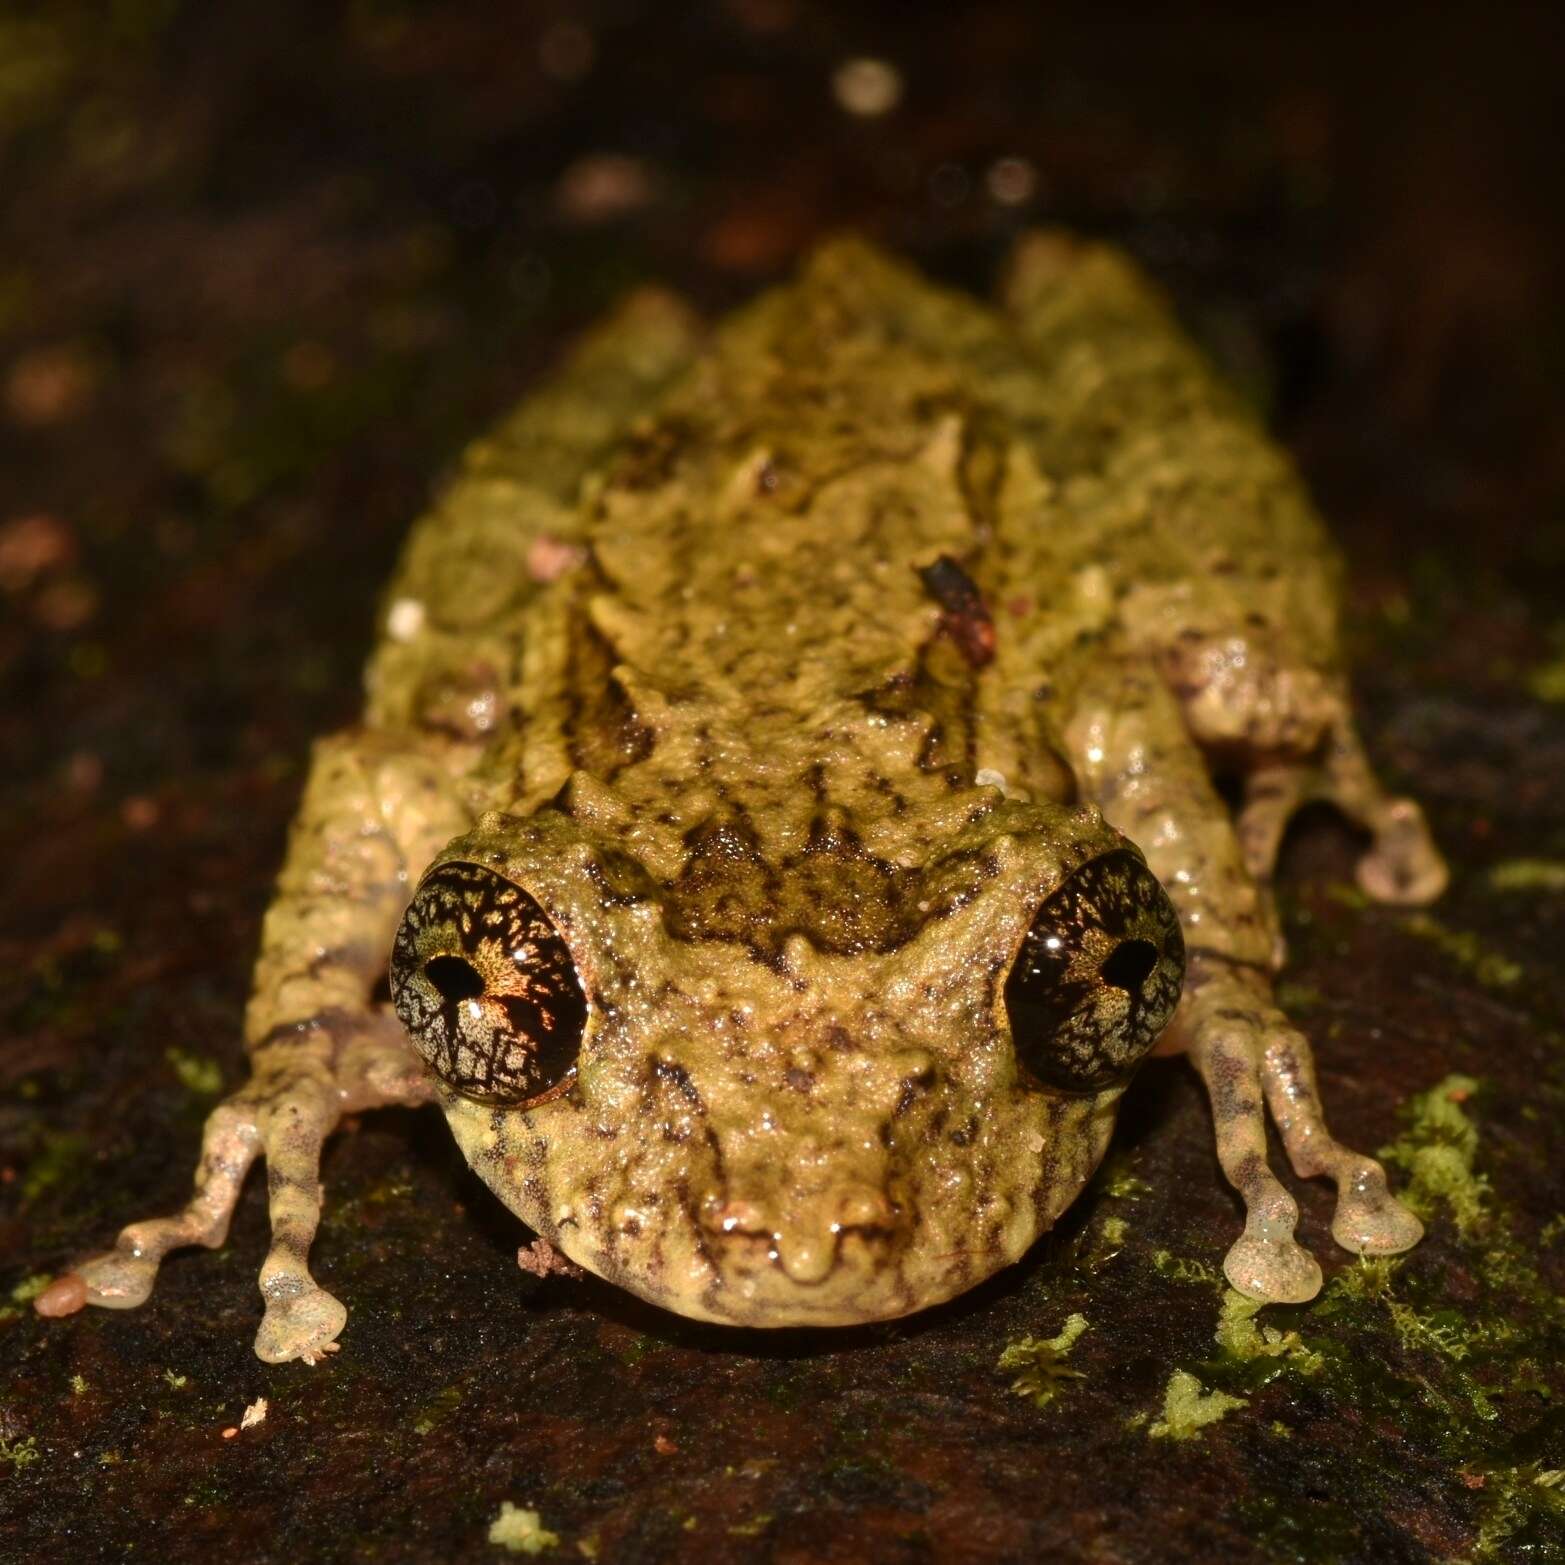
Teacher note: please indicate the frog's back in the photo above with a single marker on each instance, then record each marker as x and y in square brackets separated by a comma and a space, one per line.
[768, 492]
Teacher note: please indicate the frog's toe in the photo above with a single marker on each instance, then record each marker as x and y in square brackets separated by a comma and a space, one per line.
[121, 1278]
[1372, 1221]
[300, 1324]
[64, 1296]
[1368, 1219]
[1268, 1263]
[1403, 866]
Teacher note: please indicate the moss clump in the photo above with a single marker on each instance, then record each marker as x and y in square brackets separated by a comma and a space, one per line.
[1188, 1407]
[29, 1288]
[1523, 1500]
[1547, 681]
[196, 1072]
[1182, 1270]
[20, 1453]
[1038, 1364]
[437, 1409]
[1464, 948]
[1528, 875]
[1437, 1151]
[59, 1160]
[1242, 1336]
[1369, 1279]
[521, 1531]
[1118, 1181]
[1464, 1356]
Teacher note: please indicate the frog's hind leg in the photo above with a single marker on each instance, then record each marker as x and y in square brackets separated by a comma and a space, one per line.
[1402, 865]
[1134, 755]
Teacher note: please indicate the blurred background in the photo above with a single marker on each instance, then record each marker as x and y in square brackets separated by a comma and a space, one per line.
[264, 271]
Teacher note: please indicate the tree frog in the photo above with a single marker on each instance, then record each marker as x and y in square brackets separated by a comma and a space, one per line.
[784, 808]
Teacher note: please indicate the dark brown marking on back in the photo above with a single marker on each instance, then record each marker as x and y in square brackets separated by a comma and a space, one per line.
[965, 617]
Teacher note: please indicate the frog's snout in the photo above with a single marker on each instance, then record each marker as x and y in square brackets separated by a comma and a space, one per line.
[802, 1244]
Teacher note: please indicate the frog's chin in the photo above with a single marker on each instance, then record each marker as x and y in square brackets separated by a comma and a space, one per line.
[805, 1272]
[747, 1285]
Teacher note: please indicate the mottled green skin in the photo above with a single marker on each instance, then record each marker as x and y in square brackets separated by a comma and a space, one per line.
[662, 657]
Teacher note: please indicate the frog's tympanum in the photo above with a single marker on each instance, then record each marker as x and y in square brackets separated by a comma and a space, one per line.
[784, 808]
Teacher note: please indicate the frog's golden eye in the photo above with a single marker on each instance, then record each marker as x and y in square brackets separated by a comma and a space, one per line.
[486, 988]
[1097, 977]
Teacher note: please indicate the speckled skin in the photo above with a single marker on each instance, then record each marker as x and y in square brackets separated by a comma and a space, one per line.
[663, 658]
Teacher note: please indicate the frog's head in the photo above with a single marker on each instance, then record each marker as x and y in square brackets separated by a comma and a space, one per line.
[813, 1085]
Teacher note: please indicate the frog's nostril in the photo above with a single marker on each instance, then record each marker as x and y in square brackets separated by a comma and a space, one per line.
[1129, 965]
[863, 1207]
[454, 978]
[734, 1217]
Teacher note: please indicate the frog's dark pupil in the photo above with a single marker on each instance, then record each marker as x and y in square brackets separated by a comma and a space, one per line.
[1129, 965]
[454, 978]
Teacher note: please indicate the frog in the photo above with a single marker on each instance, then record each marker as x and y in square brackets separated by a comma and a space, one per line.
[808, 762]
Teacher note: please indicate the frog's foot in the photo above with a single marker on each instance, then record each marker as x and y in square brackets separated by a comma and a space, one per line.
[121, 1278]
[1251, 1057]
[300, 1090]
[1402, 865]
[372, 1068]
[301, 1320]
[1368, 1219]
[1266, 1262]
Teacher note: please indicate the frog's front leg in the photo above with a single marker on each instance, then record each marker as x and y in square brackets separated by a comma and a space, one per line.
[373, 814]
[1134, 756]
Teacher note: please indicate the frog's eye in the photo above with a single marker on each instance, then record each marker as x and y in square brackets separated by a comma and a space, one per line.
[1097, 976]
[486, 988]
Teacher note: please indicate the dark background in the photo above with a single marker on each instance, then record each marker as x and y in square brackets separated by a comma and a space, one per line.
[263, 270]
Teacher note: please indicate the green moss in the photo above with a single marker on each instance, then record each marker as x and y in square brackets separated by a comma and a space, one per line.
[521, 1531]
[1437, 1151]
[437, 1409]
[1118, 1181]
[1521, 1501]
[1188, 1407]
[20, 1453]
[1464, 1356]
[1547, 680]
[1240, 1335]
[29, 1288]
[1441, 1333]
[60, 1159]
[752, 1528]
[1348, 896]
[1182, 1270]
[196, 1072]
[1297, 998]
[1528, 875]
[1039, 1364]
[1369, 1278]
[1464, 948]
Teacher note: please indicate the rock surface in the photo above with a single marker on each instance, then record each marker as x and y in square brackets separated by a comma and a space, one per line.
[259, 282]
